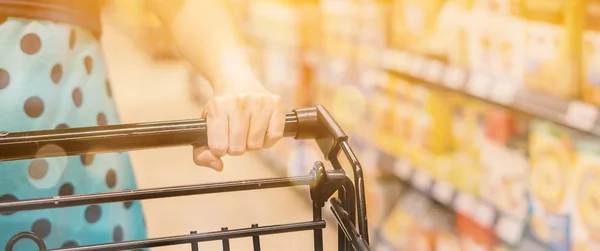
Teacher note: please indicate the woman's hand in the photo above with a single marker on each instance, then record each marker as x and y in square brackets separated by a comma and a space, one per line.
[240, 118]
[243, 116]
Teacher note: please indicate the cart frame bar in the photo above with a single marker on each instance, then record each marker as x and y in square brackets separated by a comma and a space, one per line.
[349, 207]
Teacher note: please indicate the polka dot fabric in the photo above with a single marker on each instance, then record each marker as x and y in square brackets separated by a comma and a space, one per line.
[53, 76]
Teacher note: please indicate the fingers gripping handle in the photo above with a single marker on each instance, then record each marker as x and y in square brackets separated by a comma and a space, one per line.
[300, 124]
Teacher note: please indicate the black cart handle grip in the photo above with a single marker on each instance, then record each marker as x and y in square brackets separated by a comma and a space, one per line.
[300, 124]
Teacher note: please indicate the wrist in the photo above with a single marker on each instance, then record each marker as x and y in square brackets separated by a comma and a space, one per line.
[234, 73]
[237, 84]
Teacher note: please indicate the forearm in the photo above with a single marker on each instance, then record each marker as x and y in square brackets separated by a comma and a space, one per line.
[208, 38]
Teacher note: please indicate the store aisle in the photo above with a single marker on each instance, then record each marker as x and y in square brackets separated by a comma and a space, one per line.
[148, 92]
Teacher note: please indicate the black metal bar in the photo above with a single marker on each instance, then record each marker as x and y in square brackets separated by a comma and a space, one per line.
[225, 241]
[194, 244]
[349, 205]
[111, 138]
[202, 237]
[356, 239]
[256, 239]
[318, 233]
[350, 202]
[360, 190]
[153, 193]
[343, 244]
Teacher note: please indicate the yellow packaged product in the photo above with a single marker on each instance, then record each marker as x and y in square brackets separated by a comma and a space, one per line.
[349, 107]
[373, 32]
[430, 126]
[414, 25]
[310, 33]
[399, 226]
[327, 83]
[586, 214]
[590, 89]
[385, 128]
[442, 167]
[339, 28]
[552, 44]
[381, 115]
[468, 130]
[551, 169]
[403, 114]
[453, 24]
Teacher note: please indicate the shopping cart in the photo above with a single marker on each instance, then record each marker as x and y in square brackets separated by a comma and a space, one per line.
[348, 204]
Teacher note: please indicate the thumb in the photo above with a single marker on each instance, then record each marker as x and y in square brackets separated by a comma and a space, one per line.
[204, 157]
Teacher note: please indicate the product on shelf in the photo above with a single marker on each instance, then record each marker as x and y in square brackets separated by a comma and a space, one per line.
[505, 169]
[497, 40]
[431, 126]
[481, 41]
[418, 224]
[275, 22]
[447, 241]
[400, 224]
[414, 26]
[325, 85]
[528, 243]
[453, 23]
[501, 248]
[446, 238]
[340, 28]
[310, 29]
[586, 211]
[474, 237]
[382, 195]
[348, 103]
[552, 162]
[402, 116]
[369, 89]
[552, 36]
[590, 52]
[468, 130]
[373, 33]
[381, 109]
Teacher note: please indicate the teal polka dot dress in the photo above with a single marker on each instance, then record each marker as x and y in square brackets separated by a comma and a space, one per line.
[53, 75]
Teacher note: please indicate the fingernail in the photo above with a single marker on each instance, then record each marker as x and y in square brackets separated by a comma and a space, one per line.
[215, 165]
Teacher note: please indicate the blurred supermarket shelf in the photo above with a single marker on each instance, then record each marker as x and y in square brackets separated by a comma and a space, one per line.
[509, 228]
[435, 73]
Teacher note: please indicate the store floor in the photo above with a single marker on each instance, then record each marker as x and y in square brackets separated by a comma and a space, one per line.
[146, 91]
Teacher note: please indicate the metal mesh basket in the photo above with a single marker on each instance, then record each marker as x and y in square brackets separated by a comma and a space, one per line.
[314, 123]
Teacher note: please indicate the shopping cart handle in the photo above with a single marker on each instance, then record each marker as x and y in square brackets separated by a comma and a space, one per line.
[307, 123]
